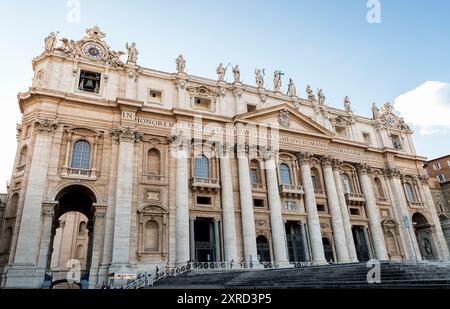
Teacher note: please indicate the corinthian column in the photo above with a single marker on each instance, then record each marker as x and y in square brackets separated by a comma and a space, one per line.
[31, 213]
[276, 220]
[400, 206]
[315, 234]
[344, 212]
[373, 214]
[124, 189]
[335, 211]
[247, 216]
[229, 224]
[24, 264]
[180, 150]
[444, 254]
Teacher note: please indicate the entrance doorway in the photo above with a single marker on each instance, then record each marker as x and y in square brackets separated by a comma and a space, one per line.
[328, 250]
[295, 242]
[424, 237]
[204, 240]
[262, 246]
[361, 245]
[72, 237]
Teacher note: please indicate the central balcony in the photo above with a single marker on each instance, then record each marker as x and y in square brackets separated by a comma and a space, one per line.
[154, 179]
[258, 187]
[79, 173]
[205, 184]
[354, 198]
[291, 190]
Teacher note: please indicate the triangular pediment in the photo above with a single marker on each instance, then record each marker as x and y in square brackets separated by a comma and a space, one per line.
[287, 117]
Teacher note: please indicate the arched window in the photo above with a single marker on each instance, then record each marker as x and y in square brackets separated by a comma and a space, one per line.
[154, 162]
[82, 228]
[346, 183]
[23, 156]
[151, 236]
[13, 205]
[6, 241]
[315, 177]
[285, 174]
[410, 192]
[79, 252]
[378, 187]
[255, 175]
[81, 155]
[201, 167]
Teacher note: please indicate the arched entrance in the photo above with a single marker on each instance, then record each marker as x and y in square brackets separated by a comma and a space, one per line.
[424, 236]
[328, 250]
[72, 236]
[262, 245]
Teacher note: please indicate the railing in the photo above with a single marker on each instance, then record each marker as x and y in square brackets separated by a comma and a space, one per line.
[81, 172]
[291, 190]
[205, 183]
[354, 195]
[291, 187]
[319, 192]
[382, 200]
[354, 198]
[258, 186]
[154, 178]
[415, 203]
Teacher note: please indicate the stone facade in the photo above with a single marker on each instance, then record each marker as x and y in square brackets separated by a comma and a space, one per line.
[171, 167]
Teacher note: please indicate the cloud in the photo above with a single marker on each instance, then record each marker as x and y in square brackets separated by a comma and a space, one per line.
[427, 107]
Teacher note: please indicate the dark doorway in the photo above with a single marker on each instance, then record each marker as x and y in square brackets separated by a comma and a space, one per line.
[204, 240]
[424, 237]
[263, 249]
[295, 242]
[328, 250]
[361, 245]
[77, 202]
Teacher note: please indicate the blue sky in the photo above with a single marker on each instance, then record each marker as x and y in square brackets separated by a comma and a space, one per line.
[324, 43]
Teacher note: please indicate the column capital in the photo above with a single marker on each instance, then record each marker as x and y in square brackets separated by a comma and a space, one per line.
[268, 153]
[126, 134]
[100, 210]
[326, 160]
[192, 219]
[48, 208]
[363, 168]
[424, 179]
[46, 126]
[304, 157]
[179, 141]
[391, 172]
[336, 163]
[225, 150]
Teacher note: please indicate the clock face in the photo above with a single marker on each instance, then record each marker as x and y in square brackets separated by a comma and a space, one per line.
[93, 51]
[391, 120]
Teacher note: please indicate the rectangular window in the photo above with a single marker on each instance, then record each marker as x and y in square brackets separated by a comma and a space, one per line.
[448, 162]
[258, 202]
[203, 200]
[341, 131]
[254, 176]
[251, 108]
[441, 178]
[154, 96]
[321, 208]
[202, 103]
[396, 143]
[290, 205]
[366, 137]
[89, 82]
[437, 166]
[354, 211]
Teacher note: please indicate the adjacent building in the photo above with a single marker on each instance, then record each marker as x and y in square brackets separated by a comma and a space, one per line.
[169, 167]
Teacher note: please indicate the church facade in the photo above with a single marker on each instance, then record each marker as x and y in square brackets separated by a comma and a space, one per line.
[170, 167]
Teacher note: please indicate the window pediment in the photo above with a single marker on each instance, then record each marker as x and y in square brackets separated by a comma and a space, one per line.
[152, 209]
[203, 91]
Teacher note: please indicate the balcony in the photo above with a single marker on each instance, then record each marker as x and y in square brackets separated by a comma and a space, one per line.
[382, 200]
[79, 173]
[415, 204]
[205, 184]
[354, 198]
[258, 187]
[152, 178]
[291, 190]
[320, 193]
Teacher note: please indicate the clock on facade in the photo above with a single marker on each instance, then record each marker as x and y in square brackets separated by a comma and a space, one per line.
[391, 120]
[93, 51]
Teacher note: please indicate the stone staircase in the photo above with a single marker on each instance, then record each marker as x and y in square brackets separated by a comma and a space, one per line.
[393, 275]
